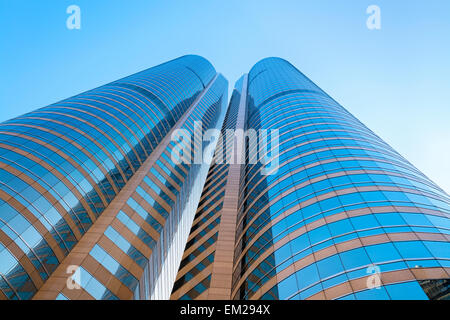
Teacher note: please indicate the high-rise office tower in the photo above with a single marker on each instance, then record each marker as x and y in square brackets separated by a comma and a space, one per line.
[92, 204]
[302, 201]
[341, 216]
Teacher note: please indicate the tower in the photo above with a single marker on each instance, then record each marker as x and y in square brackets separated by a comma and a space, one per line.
[342, 215]
[92, 205]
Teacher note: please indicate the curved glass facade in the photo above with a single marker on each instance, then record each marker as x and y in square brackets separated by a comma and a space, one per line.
[93, 204]
[65, 166]
[343, 209]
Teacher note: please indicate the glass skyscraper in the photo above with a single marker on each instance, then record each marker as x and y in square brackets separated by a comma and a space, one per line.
[343, 215]
[93, 205]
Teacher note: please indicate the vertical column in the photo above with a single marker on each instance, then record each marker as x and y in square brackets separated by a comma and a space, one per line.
[222, 270]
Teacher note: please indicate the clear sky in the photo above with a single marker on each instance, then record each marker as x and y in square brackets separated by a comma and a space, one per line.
[395, 80]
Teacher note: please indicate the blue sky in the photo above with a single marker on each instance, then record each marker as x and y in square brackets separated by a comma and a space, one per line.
[396, 80]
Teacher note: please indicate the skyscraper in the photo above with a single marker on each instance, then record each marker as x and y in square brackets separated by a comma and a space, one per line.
[342, 216]
[302, 201]
[91, 204]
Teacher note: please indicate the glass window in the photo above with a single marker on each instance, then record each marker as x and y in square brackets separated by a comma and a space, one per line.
[390, 219]
[354, 258]
[311, 291]
[319, 234]
[438, 249]
[308, 276]
[382, 253]
[329, 266]
[416, 219]
[364, 222]
[412, 249]
[372, 294]
[406, 291]
[340, 227]
[288, 287]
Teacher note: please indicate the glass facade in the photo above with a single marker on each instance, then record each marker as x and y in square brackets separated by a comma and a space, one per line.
[94, 206]
[341, 210]
[160, 272]
[343, 215]
[89, 182]
[194, 275]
